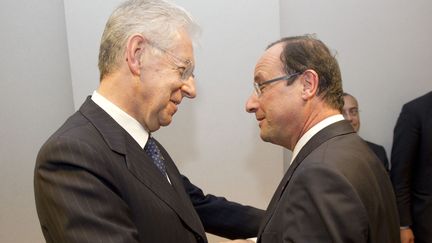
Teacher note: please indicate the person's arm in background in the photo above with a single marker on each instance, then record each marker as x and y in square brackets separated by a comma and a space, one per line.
[404, 154]
[222, 217]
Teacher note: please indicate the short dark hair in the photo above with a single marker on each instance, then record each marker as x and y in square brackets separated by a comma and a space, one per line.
[307, 52]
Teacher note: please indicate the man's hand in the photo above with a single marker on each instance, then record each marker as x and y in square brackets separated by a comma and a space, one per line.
[238, 241]
[407, 236]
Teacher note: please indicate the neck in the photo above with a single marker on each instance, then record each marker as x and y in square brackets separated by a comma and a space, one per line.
[120, 91]
[315, 113]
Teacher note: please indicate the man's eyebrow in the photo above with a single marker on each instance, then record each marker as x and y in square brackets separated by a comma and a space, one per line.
[257, 78]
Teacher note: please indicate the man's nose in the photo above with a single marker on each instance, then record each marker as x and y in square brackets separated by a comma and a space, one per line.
[188, 88]
[252, 104]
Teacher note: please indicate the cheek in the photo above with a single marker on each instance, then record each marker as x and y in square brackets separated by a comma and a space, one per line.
[165, 92]
[284, 113]
[275, 113]
[355, 120]
[165, 105]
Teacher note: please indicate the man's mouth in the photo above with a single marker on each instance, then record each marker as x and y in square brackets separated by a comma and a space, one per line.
[260, 121]
[176, 102]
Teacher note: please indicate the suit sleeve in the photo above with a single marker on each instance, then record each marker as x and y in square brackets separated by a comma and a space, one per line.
[71, 196]
[404, 153]
[222, 217]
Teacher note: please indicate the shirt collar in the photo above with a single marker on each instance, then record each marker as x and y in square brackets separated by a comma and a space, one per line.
[127, 122]
[314, 130]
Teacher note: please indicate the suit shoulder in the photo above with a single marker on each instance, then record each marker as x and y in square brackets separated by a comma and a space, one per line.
[421, 103]
[348, 154]
[76, 132]
[76, 126]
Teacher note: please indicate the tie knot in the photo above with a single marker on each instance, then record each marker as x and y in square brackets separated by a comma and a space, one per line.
[151, 147]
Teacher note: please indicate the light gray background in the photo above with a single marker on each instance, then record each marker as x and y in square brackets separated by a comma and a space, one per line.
[48, 65]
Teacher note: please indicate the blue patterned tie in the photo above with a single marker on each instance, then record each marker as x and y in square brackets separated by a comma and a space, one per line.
[153, 152]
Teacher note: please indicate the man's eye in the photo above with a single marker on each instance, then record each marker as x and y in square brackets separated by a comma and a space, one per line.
[262, 87]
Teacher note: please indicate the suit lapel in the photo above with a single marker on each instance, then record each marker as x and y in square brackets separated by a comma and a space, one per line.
[187, 212]
[331, 131]
[111, 131]
[142, 167]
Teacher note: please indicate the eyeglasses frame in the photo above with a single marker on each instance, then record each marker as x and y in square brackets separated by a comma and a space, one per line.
[188, 65]
[259, 86]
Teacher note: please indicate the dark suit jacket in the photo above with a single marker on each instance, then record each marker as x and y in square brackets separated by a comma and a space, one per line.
[93, 183]
[411, 171]
[380, 153]
[224, 218]
[336, 191]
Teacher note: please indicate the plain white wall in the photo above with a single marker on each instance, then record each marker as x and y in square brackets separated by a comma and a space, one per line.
[384, 51]
[85, 22]
[35, 99]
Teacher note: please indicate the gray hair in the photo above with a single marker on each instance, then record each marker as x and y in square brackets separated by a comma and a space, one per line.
[158, 20]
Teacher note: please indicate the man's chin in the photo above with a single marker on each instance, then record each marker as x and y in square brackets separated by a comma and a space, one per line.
[264, 137]
[165, 122]
[154, 128]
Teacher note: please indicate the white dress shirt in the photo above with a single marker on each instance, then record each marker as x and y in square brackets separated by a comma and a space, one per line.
[127, 122]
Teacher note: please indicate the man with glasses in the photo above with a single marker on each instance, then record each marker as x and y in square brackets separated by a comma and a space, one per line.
[103, 177]
[335, 189]
[351, 113]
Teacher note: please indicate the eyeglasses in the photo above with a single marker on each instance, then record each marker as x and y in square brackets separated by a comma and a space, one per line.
[186, 71]
[260, 86]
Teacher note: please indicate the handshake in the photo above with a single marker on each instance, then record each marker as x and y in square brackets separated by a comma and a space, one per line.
[250, 240]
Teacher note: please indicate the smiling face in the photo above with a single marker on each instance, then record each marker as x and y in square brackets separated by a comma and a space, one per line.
[160, 88]
[278, 107]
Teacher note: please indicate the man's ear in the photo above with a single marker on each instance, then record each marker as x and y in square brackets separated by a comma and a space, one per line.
[310, 83]
[134, 52]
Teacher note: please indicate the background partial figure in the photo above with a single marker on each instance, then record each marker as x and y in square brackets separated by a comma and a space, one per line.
[411, 171]
[351, 113]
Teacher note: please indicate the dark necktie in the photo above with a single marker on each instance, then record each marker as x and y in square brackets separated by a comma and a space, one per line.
[153, 152]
